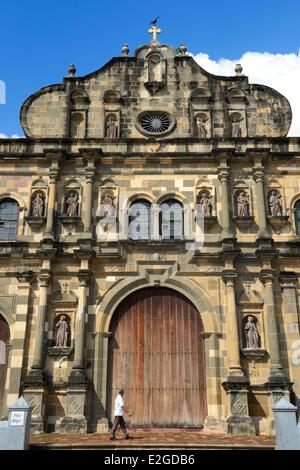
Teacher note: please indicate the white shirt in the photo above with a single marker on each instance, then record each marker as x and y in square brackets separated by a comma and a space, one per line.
[119, 403]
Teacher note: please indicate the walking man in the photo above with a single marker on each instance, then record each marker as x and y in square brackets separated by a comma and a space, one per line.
[119, 416]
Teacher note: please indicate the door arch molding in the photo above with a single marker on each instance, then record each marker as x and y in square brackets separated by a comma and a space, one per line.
[186, 286]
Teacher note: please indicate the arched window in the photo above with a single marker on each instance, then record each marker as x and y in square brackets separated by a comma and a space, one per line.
[139, 220]
[297, 216]
[171, 220]
[9, 213]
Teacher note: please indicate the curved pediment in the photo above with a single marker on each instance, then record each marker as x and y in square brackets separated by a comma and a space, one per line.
[124, 88]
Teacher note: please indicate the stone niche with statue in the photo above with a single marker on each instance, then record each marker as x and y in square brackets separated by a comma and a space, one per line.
[107, 212]
[37, 204]
[62, 321]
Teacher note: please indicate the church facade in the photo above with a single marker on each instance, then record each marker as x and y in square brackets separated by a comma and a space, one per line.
[150, 240]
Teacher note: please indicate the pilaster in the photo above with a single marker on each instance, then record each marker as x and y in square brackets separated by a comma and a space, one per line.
[25, 280]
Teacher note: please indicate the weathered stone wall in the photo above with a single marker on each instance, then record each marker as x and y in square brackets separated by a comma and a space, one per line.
[62, 264]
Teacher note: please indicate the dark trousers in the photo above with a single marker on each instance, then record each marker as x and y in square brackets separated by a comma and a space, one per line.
[119, 420]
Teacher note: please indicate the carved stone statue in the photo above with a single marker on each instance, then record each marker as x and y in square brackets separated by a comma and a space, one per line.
[252, 338]
[275, 204]
[205, 205]
[111, 128]
[62, 330]
[38, 205]
[242, 204]
[154, 65]
[72, 205]
[236, 125]
[202, 132]
[107, 210]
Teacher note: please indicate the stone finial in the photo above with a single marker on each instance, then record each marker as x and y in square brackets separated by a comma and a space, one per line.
[125, 50]
[72, 70]
[238, 69]
[182, 49]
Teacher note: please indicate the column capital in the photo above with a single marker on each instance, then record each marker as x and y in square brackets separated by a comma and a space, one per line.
[229, 276]
[53, 175]
[266, 276]
[25, 277]
[89, 176]
[45, 277]
[84, 276]
[54, 154]
[258, 173]
[288, 279]
[106, 334]
[223, 174]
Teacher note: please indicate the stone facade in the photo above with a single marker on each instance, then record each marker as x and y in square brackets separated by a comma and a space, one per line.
[90, 137]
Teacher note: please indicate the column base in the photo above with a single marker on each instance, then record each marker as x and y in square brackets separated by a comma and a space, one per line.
[72, 425]
[240, 425]
[75, 421]
[33, 392]
[77, 376]
[102, 425]
[277, 376]
[48, 237]
[34, 377]
[36, 425]
[238, 421]
[263, 234]
[213, 424]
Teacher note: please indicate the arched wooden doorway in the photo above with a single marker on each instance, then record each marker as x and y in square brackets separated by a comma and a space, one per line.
[4, 339]
[156, 354]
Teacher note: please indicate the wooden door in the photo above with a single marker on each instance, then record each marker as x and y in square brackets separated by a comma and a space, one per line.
[4, 339]
[156, 354]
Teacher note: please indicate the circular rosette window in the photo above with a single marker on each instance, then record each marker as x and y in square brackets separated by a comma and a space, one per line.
[155, 123]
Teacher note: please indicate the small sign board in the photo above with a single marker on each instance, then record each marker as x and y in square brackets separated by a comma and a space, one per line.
[17, 418]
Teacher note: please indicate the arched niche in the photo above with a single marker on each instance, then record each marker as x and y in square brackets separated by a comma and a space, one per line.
[78, 125]
[79, 97]
[155, 72]
[112, 97]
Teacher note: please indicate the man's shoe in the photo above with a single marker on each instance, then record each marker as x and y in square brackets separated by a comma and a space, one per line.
[112, 438]
[127, 437]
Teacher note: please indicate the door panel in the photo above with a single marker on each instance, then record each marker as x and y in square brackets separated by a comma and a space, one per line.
[156, 354]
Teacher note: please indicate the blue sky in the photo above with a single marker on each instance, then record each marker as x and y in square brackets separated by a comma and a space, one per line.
[39, 39]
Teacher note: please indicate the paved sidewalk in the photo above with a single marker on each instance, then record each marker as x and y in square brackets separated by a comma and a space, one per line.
[152, 439]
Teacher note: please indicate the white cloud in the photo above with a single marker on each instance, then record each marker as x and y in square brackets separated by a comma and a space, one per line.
[279, 71]
[13, 136]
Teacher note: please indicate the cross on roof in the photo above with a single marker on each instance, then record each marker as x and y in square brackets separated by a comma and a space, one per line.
[154, 31]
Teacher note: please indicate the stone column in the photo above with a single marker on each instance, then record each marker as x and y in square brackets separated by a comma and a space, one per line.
[34, 382]
[100, 381]
[236, 385]
[53, 175]
[223, 175]
[276, 370]
[233, 348]
[19, 334]
[89, 172]
[258, 176]
[84, 277]
[37, 365]
[187, 220]
[155, 222]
